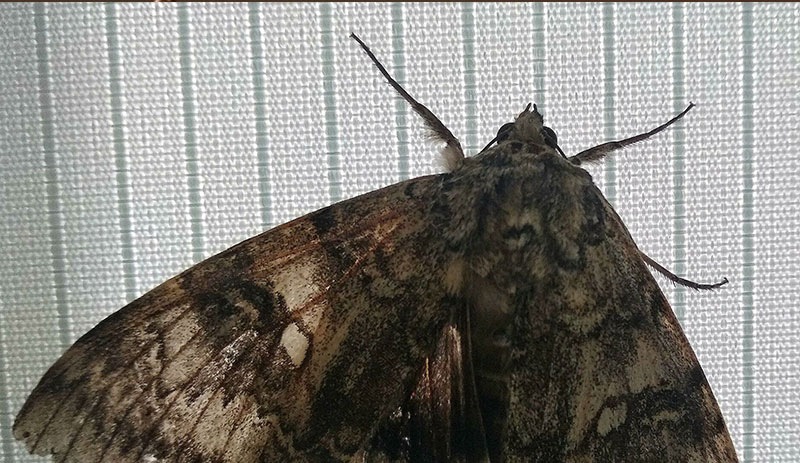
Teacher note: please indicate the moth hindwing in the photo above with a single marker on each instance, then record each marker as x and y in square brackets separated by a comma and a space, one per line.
[496, 312]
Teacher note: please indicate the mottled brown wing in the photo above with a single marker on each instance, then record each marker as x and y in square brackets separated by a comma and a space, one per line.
[292, 345]
[601, 370]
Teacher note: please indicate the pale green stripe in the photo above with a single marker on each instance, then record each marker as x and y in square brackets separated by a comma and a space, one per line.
[120, 155]
[678, 159]
[260, 110]
[56, 223]
[748, 244]
[470, 87]
[400, 105]
[539, 55]
[329, 92]
[189, 128]
[6, 416]
[609, 118]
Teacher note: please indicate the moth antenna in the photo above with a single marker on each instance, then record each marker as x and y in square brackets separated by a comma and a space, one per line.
[600, 151]
[678, 280]
[453, 153]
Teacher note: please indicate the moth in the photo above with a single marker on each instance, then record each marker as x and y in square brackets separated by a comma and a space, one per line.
[499, 311]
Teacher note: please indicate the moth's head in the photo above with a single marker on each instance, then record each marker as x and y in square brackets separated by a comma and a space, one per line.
[528, 127]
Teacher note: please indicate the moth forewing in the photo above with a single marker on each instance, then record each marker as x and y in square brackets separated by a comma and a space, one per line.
[236, 360]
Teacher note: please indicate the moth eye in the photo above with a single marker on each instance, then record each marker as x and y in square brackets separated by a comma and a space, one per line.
[550, 137]
[503, 132]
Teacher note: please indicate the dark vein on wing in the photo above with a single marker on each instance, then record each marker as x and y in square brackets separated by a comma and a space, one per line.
[243, 411]
[118, 423]
[74, 436]
[219, 387]
[117, 335]
[190, 434]
[296, 315]
[182, 389]
[73, 390]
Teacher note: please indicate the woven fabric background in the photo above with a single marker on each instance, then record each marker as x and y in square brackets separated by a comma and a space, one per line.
[137, 139]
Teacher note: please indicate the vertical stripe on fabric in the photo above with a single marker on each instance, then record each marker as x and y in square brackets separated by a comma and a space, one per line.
[400, 105]
[115, 79]
[678, 161]
[748, 242]
[55, 213]
[470, 87]
[260, 113]
[329, 96]
[189, 133]
[539, 58]
[609, 111]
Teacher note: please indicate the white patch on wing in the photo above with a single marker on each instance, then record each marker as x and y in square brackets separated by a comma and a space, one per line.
[299, 285]
[295, 343]
[297, 282]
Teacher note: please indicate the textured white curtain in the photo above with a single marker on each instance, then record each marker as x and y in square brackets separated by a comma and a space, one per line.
[136, 139]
